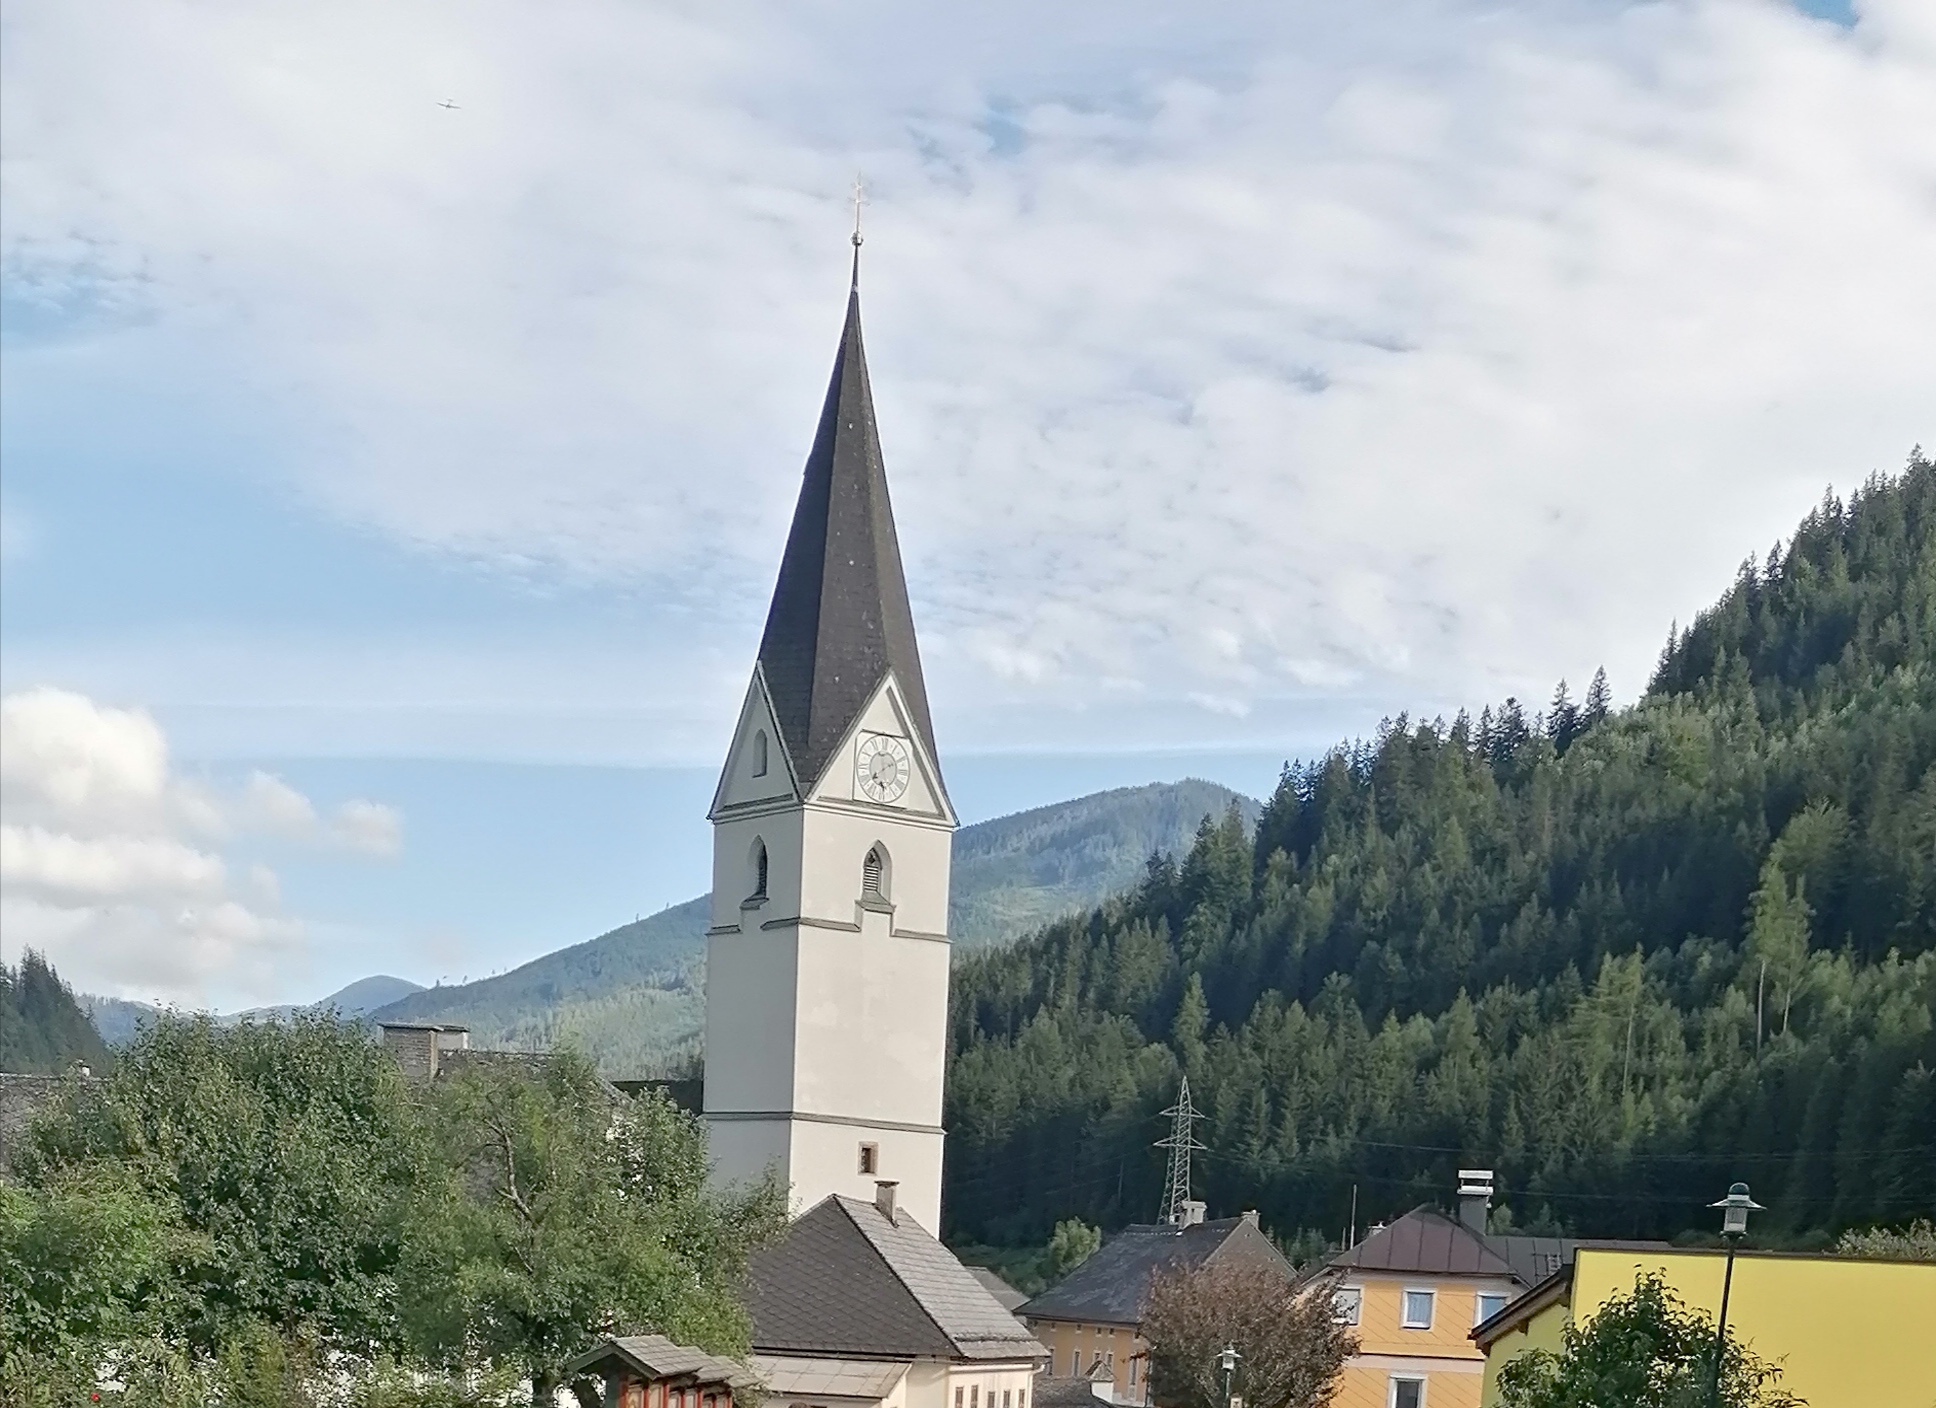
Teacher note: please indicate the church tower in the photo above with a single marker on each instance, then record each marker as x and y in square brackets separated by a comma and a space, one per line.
[827, 959]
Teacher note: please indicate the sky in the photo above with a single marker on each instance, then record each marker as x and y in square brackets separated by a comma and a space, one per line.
[390, 490]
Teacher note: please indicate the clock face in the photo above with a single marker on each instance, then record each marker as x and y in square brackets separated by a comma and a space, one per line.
[881, 767]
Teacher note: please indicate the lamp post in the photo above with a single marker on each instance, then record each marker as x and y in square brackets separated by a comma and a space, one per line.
[1734, 1226]
[1227, 1361]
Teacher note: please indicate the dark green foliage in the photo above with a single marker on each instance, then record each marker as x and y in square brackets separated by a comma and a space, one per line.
[1642, 1351]
[1625, 959]
[282, 1147]
[243, 1213]
[552, 1203]
[43, 1030]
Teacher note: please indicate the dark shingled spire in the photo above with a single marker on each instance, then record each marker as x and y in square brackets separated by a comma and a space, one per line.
[840, 618]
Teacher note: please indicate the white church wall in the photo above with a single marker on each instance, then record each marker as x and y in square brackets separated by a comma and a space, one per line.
[872, 1014]
[825, 1158]
[743, 1150]
[750, 996]
[835, 842]
[780, 832]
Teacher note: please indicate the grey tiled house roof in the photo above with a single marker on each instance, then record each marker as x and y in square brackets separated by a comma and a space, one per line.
[848, 1282]
[1111, 1286]
[840, 618]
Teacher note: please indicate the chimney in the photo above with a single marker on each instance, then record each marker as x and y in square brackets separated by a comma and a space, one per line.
[1475, 1198]
[1192, 1212]
[884, 1197]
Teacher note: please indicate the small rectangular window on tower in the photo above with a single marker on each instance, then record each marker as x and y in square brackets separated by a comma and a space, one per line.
[870, 1158]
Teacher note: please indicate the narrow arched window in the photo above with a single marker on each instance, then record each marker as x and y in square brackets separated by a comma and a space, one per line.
[759, 754]
[873, 876]
[759, 870]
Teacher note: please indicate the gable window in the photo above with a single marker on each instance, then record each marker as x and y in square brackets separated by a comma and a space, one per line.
[1490, 1304]
[1349, 1304]
[1406, 1393]
[873, 874]
[870, 1158]
[1418, 1310]
[759, 754]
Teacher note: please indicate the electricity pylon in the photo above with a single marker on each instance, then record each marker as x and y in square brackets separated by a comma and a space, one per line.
[1181, 1141]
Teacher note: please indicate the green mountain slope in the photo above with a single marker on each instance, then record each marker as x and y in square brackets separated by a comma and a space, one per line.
[43, 1030]
[1623, 957]
[360, 997]
[633, 998]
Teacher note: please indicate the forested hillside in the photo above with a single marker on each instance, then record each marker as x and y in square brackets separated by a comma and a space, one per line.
[43, 1030]
[1624, 957]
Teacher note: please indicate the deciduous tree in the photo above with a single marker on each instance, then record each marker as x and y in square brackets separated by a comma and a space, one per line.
[1291, 1343]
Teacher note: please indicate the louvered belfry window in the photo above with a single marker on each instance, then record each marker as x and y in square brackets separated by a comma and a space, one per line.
[759, 870]
[870, 874]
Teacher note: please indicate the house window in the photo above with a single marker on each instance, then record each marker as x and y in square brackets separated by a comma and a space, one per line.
[1407, 1393]
[1135, 1363]
[1005, 1396]
[870, 1158]
[873, 874]
[1489, 1306]
[1021, 1398]
[958, 1393]
[1418, 1310]
[974, 1396]
[1109, 1362]
[1350, 1303]
[759, 754]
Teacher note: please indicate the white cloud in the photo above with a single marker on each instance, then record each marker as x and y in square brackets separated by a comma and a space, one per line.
[1446, 347]
[101, 867]
[369, 827]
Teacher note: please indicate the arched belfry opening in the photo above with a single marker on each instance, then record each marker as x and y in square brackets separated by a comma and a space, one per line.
[874, 873]
[759, 753]
[758, 858]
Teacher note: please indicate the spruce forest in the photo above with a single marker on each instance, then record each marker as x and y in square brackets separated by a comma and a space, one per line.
[1624, 957]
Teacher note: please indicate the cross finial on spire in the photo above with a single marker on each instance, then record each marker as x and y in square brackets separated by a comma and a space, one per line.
[860, 199]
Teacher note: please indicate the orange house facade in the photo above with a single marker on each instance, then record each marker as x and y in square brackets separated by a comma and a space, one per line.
[1415, 1290]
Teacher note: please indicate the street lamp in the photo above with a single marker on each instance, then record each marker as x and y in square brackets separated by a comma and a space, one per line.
[1734, 1226]
[1227, 1361]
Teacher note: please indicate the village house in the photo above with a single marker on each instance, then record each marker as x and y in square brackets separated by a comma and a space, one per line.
[1091, 1321]
[1413, 1291]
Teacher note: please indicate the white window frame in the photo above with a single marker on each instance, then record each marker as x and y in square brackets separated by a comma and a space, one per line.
[1392, 1381]
[1405, 1321]
[1357, 1312]
[1479, 1315]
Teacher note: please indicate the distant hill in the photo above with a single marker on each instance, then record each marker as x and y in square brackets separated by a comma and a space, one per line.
[363, 996]
[43, 1030]
[633, 998]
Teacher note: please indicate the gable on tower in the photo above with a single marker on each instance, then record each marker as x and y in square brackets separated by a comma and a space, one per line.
[840, 622]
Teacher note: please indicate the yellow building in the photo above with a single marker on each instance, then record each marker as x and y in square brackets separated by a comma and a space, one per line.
[1847, 1333]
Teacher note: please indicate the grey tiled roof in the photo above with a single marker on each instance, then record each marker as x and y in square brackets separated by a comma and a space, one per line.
[655, 1356]
[829, 1378]
[840, 618]
[847, 1282]
[1110, 1287]
[1429, 1242]
[1006, 1295]
[1426, 1241]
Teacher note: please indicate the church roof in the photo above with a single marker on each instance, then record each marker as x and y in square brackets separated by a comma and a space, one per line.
[840, 619]
[849, 1282]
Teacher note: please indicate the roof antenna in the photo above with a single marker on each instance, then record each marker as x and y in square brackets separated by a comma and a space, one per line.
[860, 199]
